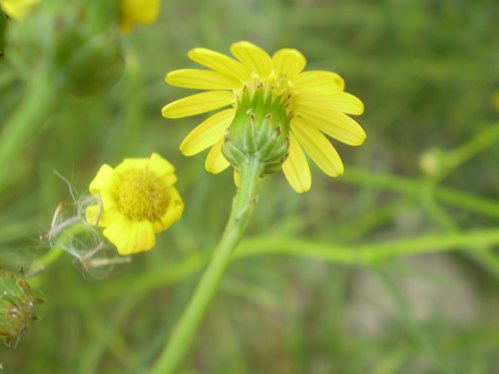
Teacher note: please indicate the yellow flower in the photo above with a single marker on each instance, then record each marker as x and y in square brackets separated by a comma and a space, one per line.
[137, 200]
[138, 11]
[315, 103]
[17, 9]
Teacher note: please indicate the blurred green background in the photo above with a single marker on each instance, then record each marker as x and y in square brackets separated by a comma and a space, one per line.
[325, 283]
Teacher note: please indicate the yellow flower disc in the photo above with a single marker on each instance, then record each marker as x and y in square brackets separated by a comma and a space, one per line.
[137, 199]
[142, 195]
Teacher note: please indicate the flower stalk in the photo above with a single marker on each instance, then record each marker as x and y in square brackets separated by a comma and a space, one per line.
[242, 207]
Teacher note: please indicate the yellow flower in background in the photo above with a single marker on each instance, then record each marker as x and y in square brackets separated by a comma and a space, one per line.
[138, 11]
[315, 104]
[137, 200]
[17, 9]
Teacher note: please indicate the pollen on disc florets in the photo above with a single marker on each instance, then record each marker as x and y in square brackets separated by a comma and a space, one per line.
[261, 124]
[142, 195]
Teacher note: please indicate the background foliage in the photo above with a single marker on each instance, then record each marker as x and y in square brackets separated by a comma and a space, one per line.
[323, 282]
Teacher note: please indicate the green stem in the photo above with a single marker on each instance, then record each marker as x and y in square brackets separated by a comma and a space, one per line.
[413, 187]
[185, 329]
[40, 98]
[51, 256]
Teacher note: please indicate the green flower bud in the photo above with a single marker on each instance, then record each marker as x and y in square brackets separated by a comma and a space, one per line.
[17, 304]
[259, 130]
[76, 42]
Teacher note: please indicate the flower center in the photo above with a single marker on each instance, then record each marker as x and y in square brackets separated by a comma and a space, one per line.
[142, 195]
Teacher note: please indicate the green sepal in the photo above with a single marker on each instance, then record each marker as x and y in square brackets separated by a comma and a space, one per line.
[259, 130]
[17, 305]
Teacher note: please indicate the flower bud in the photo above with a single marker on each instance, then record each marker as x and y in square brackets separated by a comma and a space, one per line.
[260, 130]
[432, 162]
[17, 304]
[77, 42]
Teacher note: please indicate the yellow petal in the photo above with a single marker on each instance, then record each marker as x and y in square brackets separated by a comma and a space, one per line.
[162, 169]
[236, 178]
[18, 9]
[215, 161]
[318, 81]
[93, 215]
[96, 215]
[288, 62]
[332, 123]
[129, 236]
[199, 103]
[129, 164]
[220, 63]
[172, 213]
[207, 133]
[296, 167]
[341, 101]
[105, 180]
[318, 147]
[202, 80]
[255, 58]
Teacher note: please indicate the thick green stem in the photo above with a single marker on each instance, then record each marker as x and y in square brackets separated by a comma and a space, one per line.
[183, 333]
[39, 100]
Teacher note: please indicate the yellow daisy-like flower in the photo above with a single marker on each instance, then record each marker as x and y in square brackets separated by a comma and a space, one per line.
[314, 103]
[138, 11]
[17, 9]
[137, 200]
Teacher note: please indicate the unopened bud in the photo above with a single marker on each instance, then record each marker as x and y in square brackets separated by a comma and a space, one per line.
[260, 130]
[17, 305]
[432, 162]
[77, 41]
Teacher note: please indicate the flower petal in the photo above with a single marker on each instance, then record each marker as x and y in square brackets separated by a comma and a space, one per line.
[105, 180]
[318, 147]
[96, 215]
[236, 178]
[173, 212]
[18, 9]
[220, 63]
[93, 215]
[207, 133]
[202, 80]
[198, 103]
[318, 81]
[253, 57]
[162, 169]
[288, 62]
[296, 167]
[332, 123]
[342, 102]
[129, 164]
[215, 161]
[129, 236]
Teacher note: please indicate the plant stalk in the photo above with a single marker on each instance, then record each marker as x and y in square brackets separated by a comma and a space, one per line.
[183, 334]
